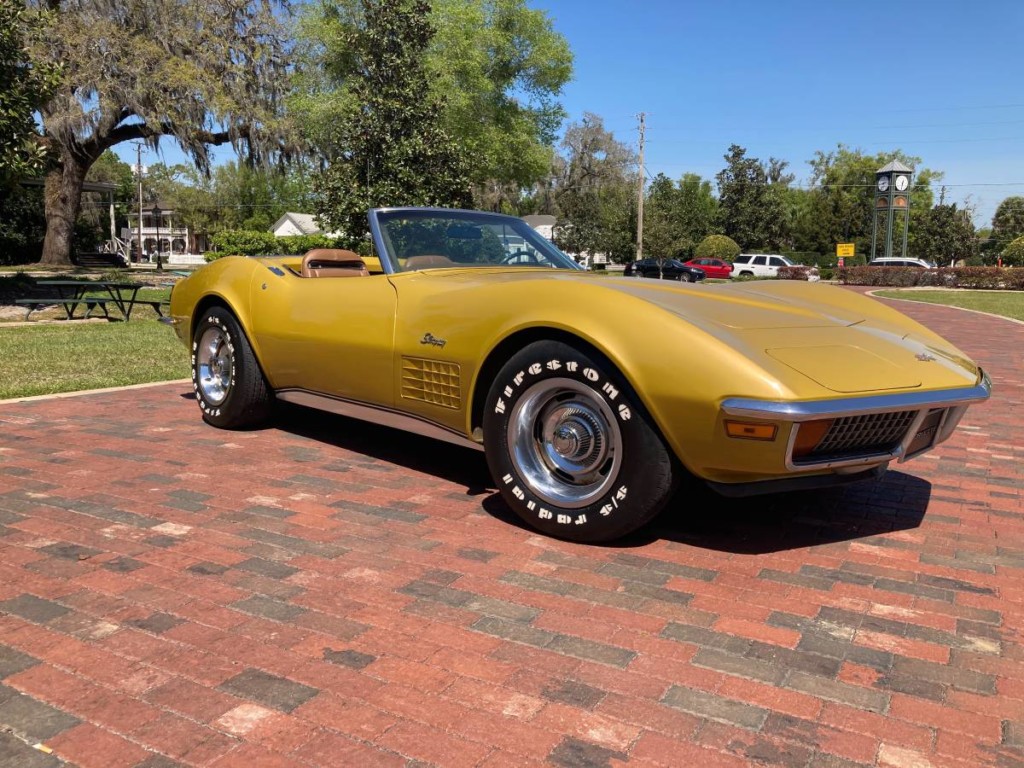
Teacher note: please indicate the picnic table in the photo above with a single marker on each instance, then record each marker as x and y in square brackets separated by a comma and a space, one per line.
[71, 294]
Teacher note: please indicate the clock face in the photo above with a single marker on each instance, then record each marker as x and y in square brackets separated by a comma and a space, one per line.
[902, 182]
[883, 184]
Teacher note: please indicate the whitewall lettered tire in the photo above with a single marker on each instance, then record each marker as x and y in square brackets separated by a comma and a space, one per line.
[570, 446]
[229, 385]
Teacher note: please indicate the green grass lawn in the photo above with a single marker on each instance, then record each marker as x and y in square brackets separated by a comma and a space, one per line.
[1005, 303]
[83, 355]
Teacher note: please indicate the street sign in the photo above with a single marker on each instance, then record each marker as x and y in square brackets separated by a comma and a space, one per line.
[845, 249]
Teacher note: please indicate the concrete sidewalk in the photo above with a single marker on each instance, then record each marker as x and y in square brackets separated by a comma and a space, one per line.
[329, 593]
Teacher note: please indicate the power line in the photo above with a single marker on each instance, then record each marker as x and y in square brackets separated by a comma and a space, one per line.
[595, 185]
[877, 142]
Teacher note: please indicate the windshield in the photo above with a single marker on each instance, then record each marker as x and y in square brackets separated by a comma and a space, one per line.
[417, 239]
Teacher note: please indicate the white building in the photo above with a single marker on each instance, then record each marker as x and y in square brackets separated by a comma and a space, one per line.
[544, 224]
[164, 232]
[299, 224]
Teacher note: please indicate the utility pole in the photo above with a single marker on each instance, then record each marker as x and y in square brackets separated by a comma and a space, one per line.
[640, 196]
[138, 171]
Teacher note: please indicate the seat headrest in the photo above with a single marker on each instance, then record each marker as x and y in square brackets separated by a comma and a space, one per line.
[333, 262]
[428, 261]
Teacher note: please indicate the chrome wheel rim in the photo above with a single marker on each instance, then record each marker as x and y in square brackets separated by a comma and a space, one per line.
[564, 442]
[215, 363]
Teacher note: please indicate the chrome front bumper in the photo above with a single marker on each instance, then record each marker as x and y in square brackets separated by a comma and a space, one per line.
[953, 403]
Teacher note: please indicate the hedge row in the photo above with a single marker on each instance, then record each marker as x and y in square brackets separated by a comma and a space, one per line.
[947, 277]
[243, 242]
[799, 272]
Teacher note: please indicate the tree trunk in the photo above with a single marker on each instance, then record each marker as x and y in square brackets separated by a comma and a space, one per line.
[63, 199]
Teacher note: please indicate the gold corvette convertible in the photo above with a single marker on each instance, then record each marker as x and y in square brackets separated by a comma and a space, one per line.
[591, 396]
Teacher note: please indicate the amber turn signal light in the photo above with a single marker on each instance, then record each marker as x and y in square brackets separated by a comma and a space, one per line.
[751, 430]
[809, 435]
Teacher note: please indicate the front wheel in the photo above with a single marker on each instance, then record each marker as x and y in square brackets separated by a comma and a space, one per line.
[226, 377]
[570, 446]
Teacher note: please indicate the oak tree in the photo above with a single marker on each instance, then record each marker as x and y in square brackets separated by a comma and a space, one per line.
[596, 191]
[24, 86]
[202, 72]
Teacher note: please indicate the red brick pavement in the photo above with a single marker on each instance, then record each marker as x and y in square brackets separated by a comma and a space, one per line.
[331, 593]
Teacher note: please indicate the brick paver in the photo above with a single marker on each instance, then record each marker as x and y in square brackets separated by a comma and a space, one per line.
[328, 593]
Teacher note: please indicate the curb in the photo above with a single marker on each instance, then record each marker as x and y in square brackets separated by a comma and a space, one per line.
[947, 306]
[86, 392]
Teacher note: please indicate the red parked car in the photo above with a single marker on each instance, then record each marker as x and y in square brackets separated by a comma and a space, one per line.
[712, 267]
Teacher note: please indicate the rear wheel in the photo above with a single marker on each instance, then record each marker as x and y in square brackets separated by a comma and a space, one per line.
[226, 377]
[571, 448]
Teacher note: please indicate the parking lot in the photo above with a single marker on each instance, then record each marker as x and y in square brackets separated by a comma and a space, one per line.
[331, 593]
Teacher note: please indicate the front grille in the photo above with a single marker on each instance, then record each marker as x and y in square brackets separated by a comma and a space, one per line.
[861, 436]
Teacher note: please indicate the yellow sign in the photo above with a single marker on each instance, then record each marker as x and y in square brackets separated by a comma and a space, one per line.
[845, 249]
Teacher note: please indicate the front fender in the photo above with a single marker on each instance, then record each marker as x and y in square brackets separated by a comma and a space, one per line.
[227, 281]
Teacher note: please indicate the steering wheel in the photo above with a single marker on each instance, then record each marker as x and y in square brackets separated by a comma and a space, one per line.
[530, 257]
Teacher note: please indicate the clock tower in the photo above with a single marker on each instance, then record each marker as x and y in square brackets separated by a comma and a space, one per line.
[892, 201]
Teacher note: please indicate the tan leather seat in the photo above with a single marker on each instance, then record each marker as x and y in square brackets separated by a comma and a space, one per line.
[428, 261]
[333, 262]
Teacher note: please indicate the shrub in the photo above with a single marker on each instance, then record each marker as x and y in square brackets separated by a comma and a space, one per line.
[1013, 254]
[243, 242]
[717, 247]
[22, 225]
[799, 272]
[989, 278]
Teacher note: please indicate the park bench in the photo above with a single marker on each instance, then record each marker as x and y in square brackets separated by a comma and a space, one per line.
[69, 304]
[69, 294]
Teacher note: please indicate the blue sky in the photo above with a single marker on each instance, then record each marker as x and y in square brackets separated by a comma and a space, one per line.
[940, 80]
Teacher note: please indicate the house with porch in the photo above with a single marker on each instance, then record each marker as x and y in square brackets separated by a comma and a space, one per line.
[163, 232]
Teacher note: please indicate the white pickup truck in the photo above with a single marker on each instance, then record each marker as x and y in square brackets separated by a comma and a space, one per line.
[759, 264]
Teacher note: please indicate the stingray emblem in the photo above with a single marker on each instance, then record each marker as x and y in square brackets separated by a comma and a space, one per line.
[924, 357]
[429, 338]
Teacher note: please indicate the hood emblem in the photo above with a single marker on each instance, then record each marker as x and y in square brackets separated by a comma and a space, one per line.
[429, 338]
[924, 357]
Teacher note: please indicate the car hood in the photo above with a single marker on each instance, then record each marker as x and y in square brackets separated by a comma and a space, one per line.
[834, 337]
[740, 307]
[746, 306]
